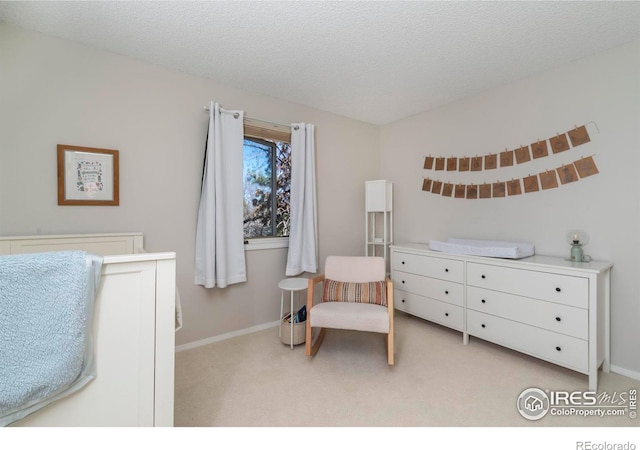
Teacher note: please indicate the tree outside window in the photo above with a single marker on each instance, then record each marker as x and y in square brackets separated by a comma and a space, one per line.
[267, 182]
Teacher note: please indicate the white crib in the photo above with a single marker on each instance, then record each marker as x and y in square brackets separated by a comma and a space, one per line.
[134, 338]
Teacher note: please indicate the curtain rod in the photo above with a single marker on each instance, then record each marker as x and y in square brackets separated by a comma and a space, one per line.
[236, 115]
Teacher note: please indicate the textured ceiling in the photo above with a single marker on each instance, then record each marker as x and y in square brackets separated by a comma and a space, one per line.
[375, 61]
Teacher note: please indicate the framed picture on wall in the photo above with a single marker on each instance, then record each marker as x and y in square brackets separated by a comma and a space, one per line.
[87, 176]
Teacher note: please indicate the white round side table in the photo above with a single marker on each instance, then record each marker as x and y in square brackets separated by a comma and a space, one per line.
[292, 285]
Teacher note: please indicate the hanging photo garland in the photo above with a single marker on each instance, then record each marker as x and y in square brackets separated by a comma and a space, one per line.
[530, 184]
[548, 179]
[523, 154]
[586, 167]
[539, 149]
[559, 143]
[579, 136]
[506, 158]
[568, 173]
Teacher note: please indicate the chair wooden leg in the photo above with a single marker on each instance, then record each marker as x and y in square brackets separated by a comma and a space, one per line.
[390, 349]
[312, 347]
[391, 332]
[307, 339]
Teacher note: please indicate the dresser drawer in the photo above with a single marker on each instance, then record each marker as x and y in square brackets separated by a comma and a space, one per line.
[555, 347]
[568, 290]
[444, 291]
[426, 308]
[441, 268]
[550, 316]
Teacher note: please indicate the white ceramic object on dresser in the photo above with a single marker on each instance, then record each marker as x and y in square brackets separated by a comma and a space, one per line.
[547, 307]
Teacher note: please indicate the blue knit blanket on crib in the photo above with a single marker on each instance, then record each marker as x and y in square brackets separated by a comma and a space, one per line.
[46, 319]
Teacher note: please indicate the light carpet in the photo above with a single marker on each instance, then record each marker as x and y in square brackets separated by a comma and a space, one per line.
[256, 381]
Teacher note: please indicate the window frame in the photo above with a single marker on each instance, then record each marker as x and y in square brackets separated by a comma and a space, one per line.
[273, 132]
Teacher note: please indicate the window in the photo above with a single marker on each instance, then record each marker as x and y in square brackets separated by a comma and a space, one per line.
[267, 180]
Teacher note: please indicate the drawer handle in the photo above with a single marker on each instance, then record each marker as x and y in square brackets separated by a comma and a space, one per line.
[402, 281]
[483, 277]
[446, 314]
[402, 262]
[483, 326]
[446, 292]
[446, 270]
[558, 319]
[483, 301]
[558, 289]
[402, 300]
[559, 349]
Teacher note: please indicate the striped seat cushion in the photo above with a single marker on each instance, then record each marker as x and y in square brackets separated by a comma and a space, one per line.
[373, 292]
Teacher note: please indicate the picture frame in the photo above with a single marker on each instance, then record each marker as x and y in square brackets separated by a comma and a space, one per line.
[88, 176]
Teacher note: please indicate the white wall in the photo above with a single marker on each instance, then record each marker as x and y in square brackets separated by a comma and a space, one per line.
[53, 92]
[604, 89]
[56, 92]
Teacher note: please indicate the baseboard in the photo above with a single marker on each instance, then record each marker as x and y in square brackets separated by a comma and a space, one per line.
[224, 337]
[625, 372]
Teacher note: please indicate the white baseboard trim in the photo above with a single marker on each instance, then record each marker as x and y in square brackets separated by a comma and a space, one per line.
[224, 337]
[625, 372]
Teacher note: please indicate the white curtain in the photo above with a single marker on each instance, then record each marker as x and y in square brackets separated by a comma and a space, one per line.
[303, 236]
[219, 248]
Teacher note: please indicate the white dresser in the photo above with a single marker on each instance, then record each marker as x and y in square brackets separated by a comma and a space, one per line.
[429, 287]
[547, 307]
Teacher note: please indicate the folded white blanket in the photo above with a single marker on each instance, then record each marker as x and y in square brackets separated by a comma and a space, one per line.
[46, 317]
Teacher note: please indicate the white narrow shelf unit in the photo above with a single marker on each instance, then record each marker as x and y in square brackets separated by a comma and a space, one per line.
[378, 218]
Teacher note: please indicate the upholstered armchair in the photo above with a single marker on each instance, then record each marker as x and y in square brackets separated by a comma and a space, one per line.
[356, 295]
